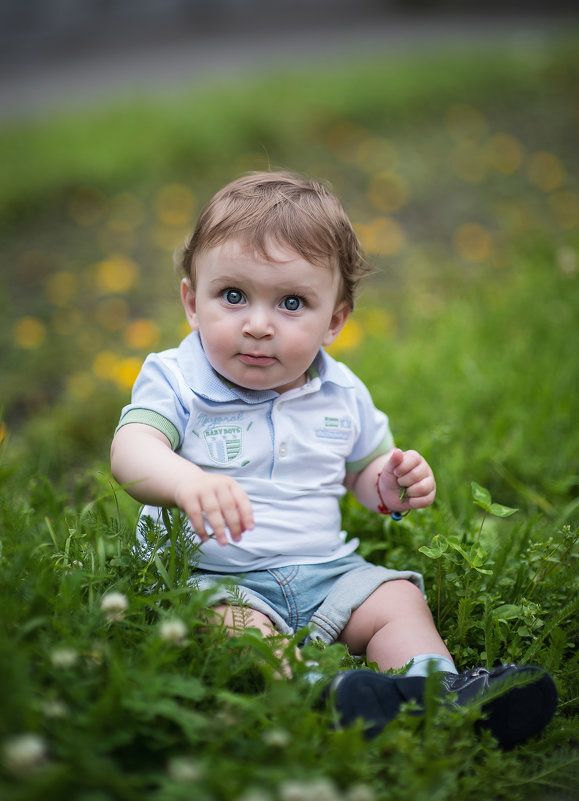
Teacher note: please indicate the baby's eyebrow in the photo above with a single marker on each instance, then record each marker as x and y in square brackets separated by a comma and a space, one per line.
[225, 280]
[282, 289]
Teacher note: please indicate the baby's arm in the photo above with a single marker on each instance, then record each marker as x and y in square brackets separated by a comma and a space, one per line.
[151, 472]
[404, 479]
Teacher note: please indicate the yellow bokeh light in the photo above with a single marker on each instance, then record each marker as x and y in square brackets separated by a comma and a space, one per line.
[140, 334]
[3, 432]
[466, 123]
[87, 205]
[112, 313]
[127, 371]
[29, 332]
[175, 204]
[473, 242]
[61, 287]
[350, 337]
[116, 275]
[564, 207]
[382, 235]
[504, 153]
[546, 171]
[104, 365]
[468, 163]
[388, 191]
[377, 322]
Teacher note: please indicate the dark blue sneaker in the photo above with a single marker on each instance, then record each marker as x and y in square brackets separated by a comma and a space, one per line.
[375, 698]
[516, 702]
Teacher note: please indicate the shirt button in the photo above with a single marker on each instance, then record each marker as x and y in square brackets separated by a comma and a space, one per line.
[283, 449]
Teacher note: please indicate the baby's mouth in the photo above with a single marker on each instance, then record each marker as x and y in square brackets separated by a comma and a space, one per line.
[256, 358]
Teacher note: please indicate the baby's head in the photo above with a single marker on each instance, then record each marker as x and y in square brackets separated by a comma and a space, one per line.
[290, 211]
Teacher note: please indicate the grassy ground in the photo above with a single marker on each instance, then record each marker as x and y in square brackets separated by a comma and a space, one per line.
[460, 173]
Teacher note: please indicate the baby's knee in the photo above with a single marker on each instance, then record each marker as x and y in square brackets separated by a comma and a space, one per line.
[402, 592]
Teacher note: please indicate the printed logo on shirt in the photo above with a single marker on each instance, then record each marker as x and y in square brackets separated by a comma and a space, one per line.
[224, 442]
[334, 428]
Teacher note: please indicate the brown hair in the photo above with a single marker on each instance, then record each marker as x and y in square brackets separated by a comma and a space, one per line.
[293, 211]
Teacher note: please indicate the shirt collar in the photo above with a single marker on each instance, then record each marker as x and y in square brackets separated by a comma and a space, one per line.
[206, 382]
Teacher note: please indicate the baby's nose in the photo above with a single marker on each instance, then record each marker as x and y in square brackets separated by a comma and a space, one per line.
[258, 323]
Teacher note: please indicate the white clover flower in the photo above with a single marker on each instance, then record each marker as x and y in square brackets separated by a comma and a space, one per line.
[184, 769]
[63, 658]
[316, 790]
[114, 605]
[53, 708]
[293, 791]
[25, 754]
[173, 631]
[276, 738]
[323, 790]
[360, 792]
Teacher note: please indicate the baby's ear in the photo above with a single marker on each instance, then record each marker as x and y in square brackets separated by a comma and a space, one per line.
[337, 322]
[188, 298]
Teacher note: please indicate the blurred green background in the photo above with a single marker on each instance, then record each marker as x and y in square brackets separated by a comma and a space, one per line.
[457, 160]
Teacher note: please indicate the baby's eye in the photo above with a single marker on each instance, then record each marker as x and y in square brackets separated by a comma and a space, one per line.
[292, 303]
[233, 296]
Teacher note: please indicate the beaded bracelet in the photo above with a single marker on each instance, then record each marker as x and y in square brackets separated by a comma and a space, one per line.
[383, 509]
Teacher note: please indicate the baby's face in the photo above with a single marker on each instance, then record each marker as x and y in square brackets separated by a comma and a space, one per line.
[262, 321]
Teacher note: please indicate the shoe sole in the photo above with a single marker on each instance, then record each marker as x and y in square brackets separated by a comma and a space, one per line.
[516, 715]
[521, 712]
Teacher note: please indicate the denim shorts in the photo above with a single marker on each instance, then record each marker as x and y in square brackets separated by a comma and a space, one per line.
[321, 597]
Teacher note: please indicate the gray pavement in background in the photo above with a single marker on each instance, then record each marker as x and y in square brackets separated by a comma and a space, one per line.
[97, 72]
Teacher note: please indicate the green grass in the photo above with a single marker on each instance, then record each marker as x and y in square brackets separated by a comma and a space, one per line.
[471, 353]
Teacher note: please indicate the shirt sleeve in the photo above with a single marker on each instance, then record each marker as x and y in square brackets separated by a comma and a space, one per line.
[158, 398]
[375, 437]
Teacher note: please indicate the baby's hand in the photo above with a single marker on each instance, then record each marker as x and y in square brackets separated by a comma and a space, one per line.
[218, 500]
[406, 481]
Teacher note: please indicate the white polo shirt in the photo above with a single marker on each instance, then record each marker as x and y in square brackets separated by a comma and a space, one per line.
[289, 452]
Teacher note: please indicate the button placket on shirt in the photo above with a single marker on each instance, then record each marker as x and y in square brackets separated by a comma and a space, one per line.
[283, 449]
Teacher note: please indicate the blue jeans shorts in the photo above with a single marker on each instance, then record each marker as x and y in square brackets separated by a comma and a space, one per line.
[321, 596]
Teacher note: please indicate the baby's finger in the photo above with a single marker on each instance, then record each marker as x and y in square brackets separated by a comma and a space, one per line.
[244, 508]
[395, 460]
[195, 514]
[415, 476]
[214, 515]
[410, 461]
[231, 513]
[421, 494]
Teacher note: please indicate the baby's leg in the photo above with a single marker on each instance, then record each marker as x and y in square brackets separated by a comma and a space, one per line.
[237, 618]
[392, 626]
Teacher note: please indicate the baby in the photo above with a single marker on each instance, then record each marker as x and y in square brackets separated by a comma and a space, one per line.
[255, 433]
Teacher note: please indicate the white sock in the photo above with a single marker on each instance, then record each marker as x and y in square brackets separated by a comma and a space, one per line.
[313, 676]
[423, 664]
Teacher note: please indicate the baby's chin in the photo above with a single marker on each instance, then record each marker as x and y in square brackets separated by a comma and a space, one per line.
[263, 385]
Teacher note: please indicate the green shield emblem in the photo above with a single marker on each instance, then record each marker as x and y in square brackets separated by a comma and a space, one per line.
[223, 443]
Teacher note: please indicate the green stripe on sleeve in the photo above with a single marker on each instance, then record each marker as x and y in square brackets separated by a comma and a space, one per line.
[385, 446]
[154, 419]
